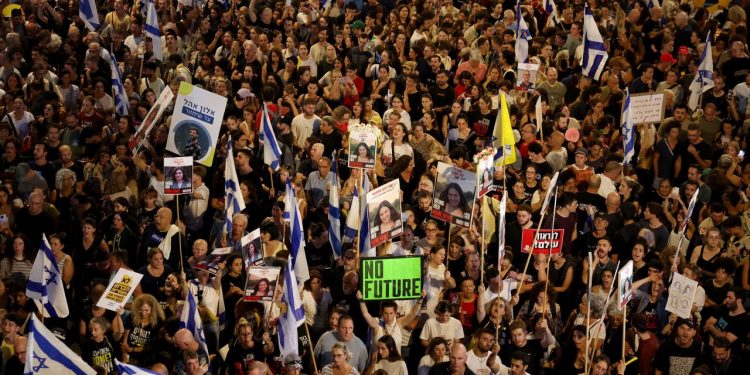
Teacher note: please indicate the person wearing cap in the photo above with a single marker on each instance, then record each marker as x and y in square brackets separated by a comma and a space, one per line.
[678, 355]
[293, 364]
[587, 243]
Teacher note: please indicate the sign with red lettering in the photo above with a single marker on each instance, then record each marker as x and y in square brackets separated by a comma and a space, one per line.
[547, 241]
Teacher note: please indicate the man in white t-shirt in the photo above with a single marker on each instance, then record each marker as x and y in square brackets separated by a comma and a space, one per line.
[303, 125]
[483, 358]
[443, 324]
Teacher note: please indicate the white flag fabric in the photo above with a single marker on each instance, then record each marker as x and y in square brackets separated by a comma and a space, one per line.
[523, 37]
[190, 319]
[233, 202]
[297, 253]
[628, 129]
[126, 369]
[47, 355]
[151, 29]
[293, 317]
[271, 150]
[704, 78]
[120, 97]
[45, 283]
[352, 220]
[594, 51]
[88, 13]
[552, 18]
[334, 212]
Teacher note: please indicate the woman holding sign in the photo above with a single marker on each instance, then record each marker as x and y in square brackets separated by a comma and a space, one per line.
[455, 201]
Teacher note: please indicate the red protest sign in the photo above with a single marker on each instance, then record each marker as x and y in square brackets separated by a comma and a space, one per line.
[546, 239]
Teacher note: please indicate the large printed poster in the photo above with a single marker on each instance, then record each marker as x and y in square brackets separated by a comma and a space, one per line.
[153, 115]
[196, 122]
[384, 205]
[454, 195]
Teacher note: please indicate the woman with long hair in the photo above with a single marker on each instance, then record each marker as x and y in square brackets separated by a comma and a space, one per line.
[386, 219]
[363, 153]
[316, 301]
[436, 353]
[455, 201]
[387, 358]
[20, 260]
[142, 330]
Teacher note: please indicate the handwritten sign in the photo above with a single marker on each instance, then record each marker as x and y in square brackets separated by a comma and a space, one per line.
[681, 295]
[548, 241]
[119, 289]
[647, 108]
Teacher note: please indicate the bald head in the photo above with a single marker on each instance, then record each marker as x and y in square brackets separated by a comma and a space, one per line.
[160, 368]
[19, 345]
[163, 219]
[183, 339]
[458, 358]
[595, 182]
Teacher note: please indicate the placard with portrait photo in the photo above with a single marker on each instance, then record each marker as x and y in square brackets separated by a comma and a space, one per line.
[362, 147]
[261, 283]
[526, 80]
[178, 175]
[454, 194]
[485, 161]
[384, 213]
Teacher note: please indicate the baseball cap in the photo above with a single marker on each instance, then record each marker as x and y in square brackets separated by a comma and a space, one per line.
[667, 57]
[683, 50]
[244, 93]
[688, 322]
[601, 215]
[293, 361]
[582, 151]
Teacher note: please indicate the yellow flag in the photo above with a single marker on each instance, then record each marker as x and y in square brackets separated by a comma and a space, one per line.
[503, 133]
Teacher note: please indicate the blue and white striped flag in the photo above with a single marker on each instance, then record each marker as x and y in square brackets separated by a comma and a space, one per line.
[144, 8]
[364, 228]
[704, 79]
[552, 17]
[293, 317]
[126, 369]
[352, 220]
[121, 99]
[47, 355]
[297, 253]
[233, 202]
[594, 51]
[190, 319]
[88, 13]
[271, 150]
[45, 283]
[628, 129]
[334, 212]
[523, 37]
[151, 29]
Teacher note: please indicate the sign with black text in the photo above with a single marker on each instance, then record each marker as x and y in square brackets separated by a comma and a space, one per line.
[391, 278]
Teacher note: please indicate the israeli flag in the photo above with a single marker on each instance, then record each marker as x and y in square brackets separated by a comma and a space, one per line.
[126, 369]
[352, 220]
[47, 355]
[45, 283]
[293, 317]
[334, 212]
[297, 256]
[552, 18]
[233, 202]
[121, 99]
[88, 13]
[151, 29]
[190, 319]
[271, 149]
[523, 37]
[364, 228]
[628, 129]
[704, 79]
[594, 51]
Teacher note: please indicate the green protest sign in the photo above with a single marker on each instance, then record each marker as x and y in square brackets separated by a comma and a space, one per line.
[390, 278]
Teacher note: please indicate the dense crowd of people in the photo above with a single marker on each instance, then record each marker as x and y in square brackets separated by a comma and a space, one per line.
[425, 75]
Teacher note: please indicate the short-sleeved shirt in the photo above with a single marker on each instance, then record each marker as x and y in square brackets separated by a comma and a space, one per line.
[675, 360]
[449, 330]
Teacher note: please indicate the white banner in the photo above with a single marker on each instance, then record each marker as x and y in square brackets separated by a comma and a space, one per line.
[681, 295]
[119, 289]
[196, 122]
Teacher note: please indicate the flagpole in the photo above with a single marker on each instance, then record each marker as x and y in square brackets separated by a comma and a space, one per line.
[624, 330]
[177, 208]
[604, 310]
[549, 256]
[481, 239]
[111, 85]
[359, 227]
[588, 317]
[312, 353]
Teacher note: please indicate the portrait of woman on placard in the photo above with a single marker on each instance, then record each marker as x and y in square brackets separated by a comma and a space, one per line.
[179, 179]
[362, 154]
[262, 288]
[387, 218]
[455, 202]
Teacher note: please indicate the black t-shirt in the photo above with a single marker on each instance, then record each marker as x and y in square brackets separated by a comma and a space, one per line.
[704, 150]
[482, 124]
[101, 354]
[673, 359]
[239, 358]
[533, 349]
[738, 325]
